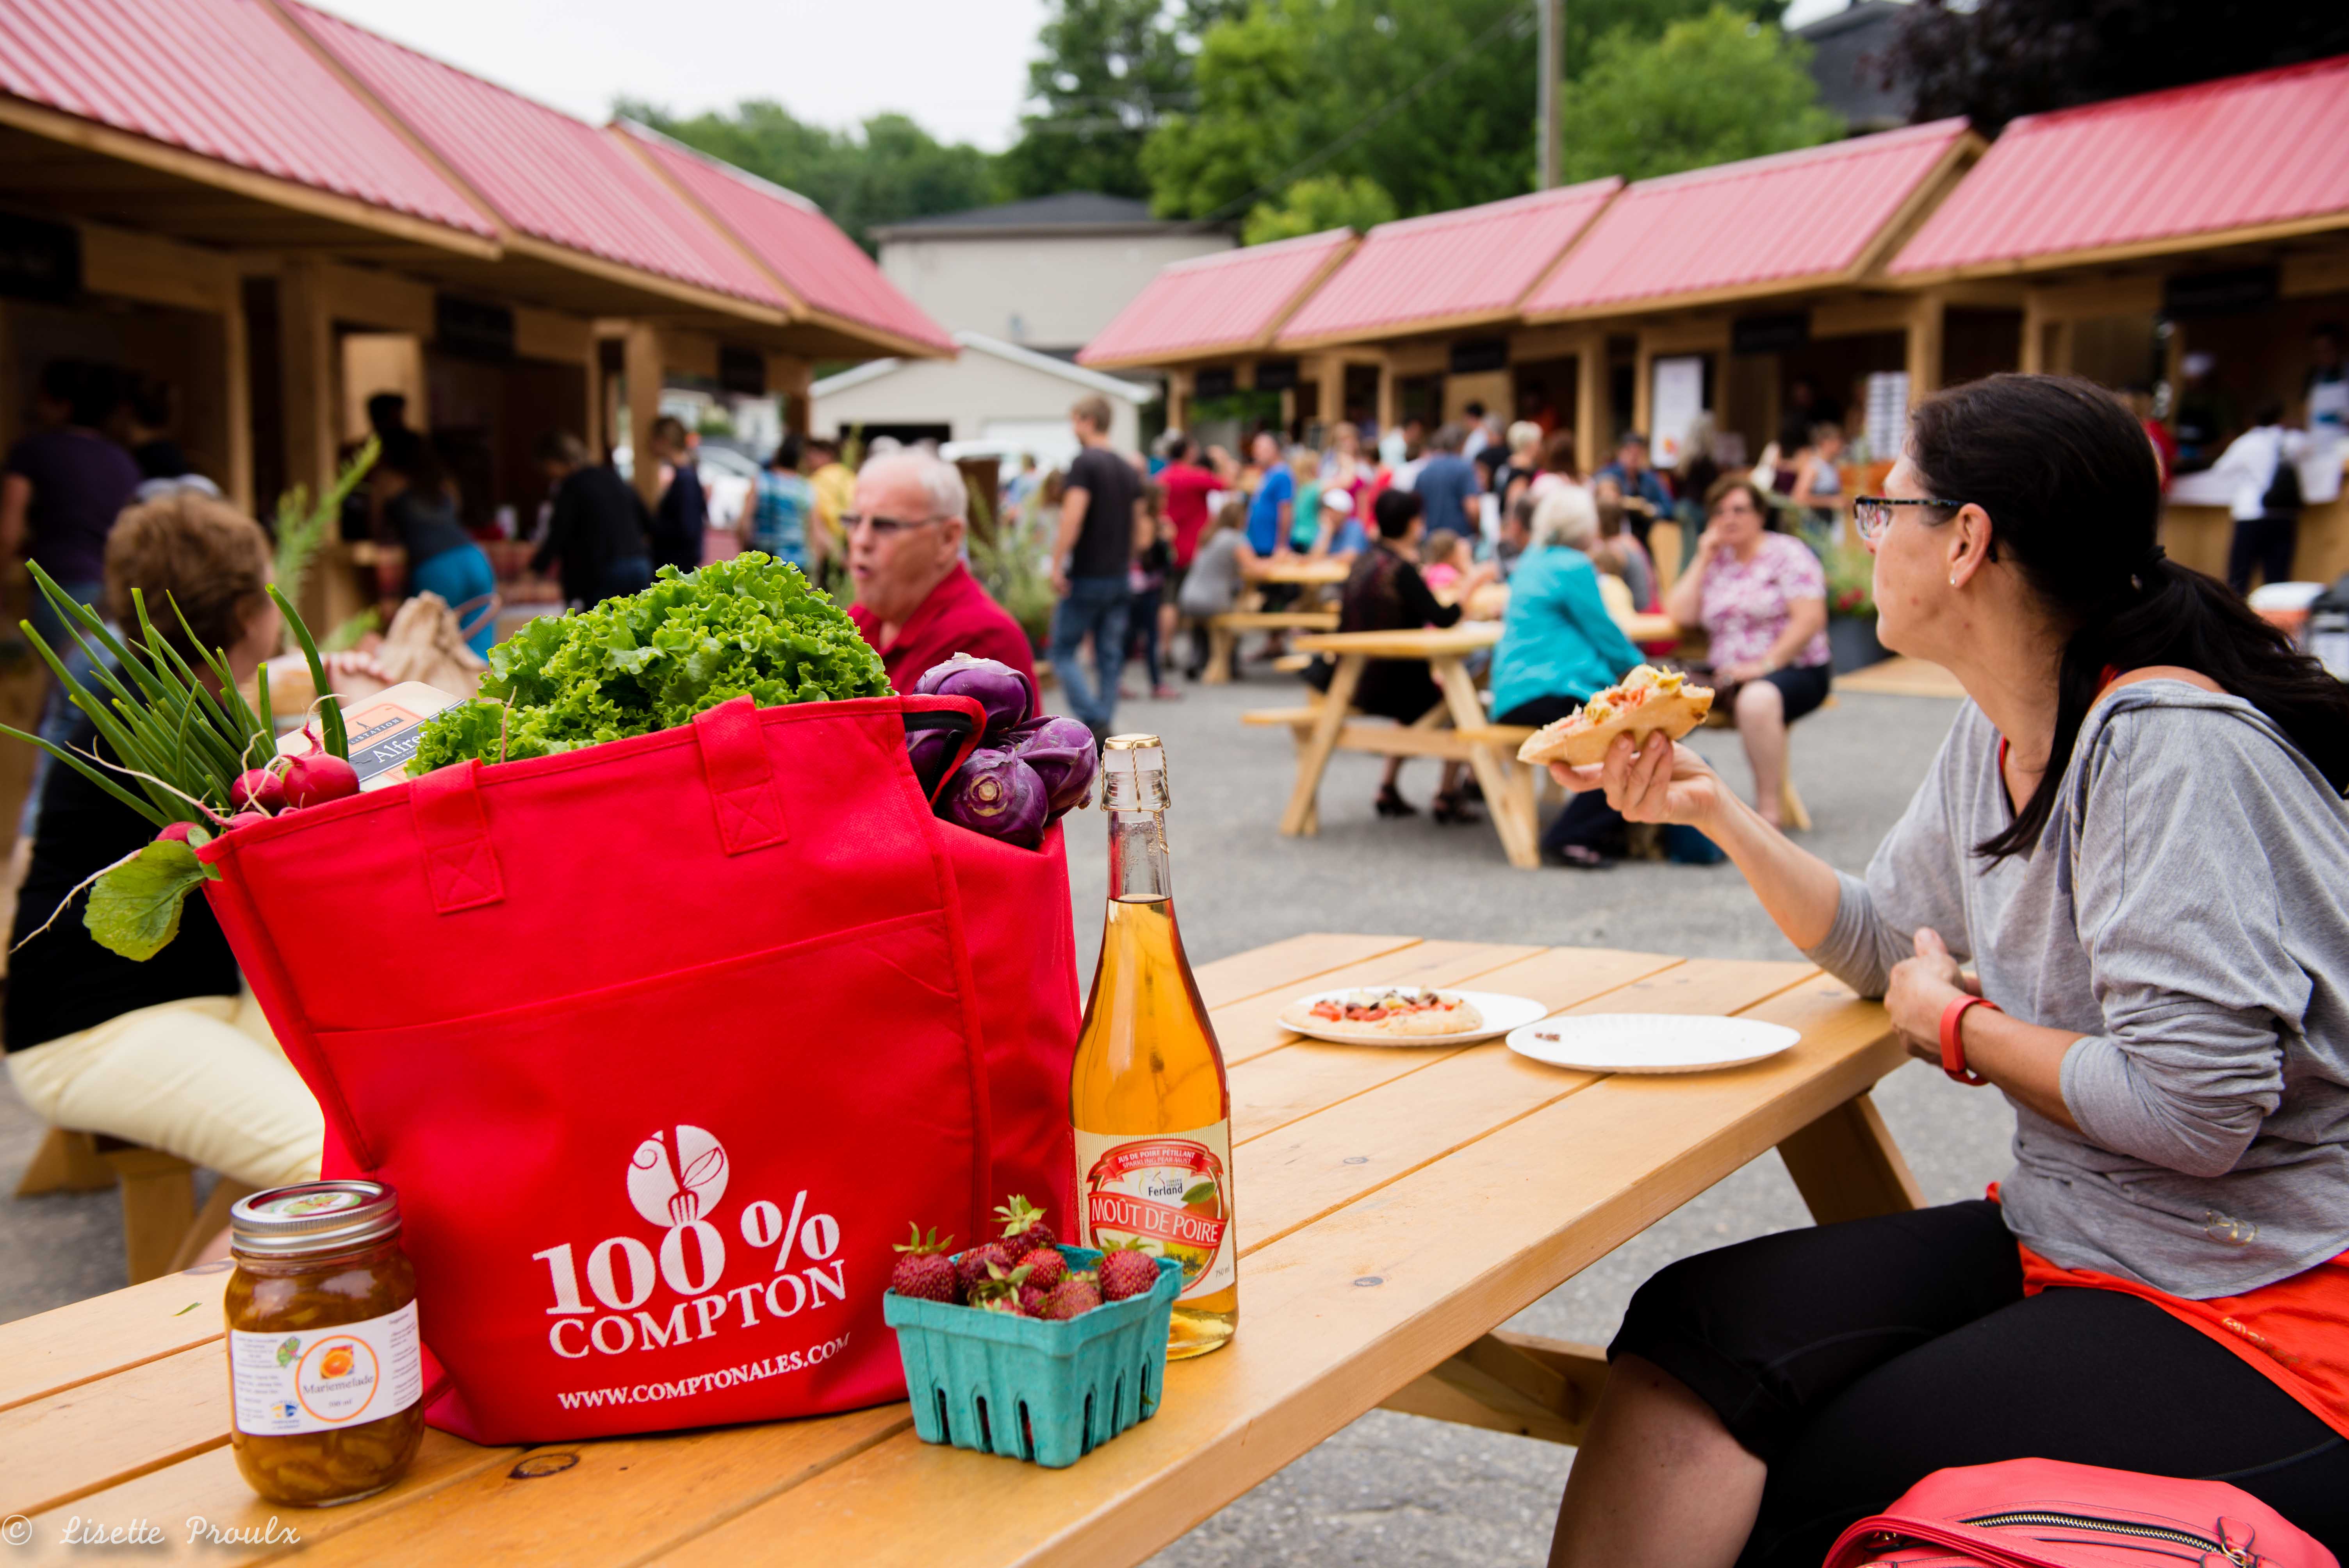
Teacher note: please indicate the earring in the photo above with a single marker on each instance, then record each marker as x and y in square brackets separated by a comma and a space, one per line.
[1953, 580]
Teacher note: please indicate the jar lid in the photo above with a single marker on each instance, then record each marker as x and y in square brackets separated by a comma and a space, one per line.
[313, 1218]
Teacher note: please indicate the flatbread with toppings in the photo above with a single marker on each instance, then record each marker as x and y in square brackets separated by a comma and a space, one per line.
[1388, 1010]
[1646, 702]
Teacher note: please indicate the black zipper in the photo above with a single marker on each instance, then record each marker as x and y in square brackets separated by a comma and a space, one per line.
[2115, 1526]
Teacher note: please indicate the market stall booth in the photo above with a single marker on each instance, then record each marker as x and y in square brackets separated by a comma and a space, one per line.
[317, 216]
[1428, 307]
[2187, 245]
[1209, 324]
[1734, 294]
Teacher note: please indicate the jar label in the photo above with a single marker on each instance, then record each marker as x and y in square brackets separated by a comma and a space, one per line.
[1171, 1190]
[327, 1378]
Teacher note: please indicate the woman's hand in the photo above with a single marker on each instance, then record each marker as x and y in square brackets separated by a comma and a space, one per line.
[1739, 674]
[1662, 782]
[1921, 989]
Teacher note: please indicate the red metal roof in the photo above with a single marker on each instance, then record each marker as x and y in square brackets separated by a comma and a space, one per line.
[1478, 261]
[1226, 303]
[260, 100]
[549, 176]
[2238, 153]
[1810, 214]
[791, 234]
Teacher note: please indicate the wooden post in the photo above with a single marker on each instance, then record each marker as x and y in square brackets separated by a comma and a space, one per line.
[313, 400]
[1643, 390]
[1927, 313]
[787, 379]
[1390, 394]
[236, 395]
[1591, 415]
[1178, 402]
[642, 368]
[1330, 375]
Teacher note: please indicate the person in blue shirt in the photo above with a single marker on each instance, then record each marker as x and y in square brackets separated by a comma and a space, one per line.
[1559, 644]
[1640, 482]
[782, 505]
[1448, 485]
[1275, 500]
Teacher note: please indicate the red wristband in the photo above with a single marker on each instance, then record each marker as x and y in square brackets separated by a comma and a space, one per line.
[1953, 1049]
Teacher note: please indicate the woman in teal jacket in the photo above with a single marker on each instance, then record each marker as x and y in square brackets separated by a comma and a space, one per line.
[1558, 646]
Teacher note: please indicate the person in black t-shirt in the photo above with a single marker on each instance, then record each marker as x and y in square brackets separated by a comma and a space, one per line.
[1099, 509]
[683, 515]
[170, 1053]
[598, 527]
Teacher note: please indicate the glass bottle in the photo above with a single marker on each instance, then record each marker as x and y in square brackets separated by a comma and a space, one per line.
[326, 1378]
[1152, 1110]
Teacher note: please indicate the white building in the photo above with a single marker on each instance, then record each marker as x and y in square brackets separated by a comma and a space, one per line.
[1046, 273]
[1012, 400]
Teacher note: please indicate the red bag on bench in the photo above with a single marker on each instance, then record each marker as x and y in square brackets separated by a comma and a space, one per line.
[663, 1042]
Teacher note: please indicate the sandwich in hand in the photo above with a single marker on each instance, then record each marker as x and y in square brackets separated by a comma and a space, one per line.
[1646, 702]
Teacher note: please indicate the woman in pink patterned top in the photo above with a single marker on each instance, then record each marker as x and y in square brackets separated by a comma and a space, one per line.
[1761, 599]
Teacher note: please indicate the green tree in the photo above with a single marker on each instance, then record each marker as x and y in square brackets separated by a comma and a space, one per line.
[1311, 206]
[1107, 72]
[1715, 88]
[884, 171]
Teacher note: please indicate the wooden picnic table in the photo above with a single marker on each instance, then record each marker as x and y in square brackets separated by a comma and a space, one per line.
[1395, 1207]
[1310, 571]
[1471, 736]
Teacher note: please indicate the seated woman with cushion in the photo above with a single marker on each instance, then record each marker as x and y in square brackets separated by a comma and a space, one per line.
[1761, 599]
[2120, 899]
[170, 1053]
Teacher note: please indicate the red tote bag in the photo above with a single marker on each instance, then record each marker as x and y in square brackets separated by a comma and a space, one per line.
[663, 1042]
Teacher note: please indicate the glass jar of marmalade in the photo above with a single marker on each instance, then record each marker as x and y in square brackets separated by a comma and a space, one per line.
[326, 1373]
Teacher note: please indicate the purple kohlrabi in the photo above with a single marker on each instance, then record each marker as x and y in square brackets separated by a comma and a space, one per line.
[997, 794]
[1008, 695]
[1062, 753]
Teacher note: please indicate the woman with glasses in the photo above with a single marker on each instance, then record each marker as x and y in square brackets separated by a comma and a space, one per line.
[2121, 899]
[1761, 599]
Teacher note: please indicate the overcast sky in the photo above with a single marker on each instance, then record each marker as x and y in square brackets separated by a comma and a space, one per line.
[957, 66]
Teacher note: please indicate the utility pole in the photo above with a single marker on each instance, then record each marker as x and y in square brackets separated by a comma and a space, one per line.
[1553, 71]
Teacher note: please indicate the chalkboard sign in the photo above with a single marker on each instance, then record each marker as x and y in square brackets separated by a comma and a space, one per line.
[1276, 375]
[474, 330]
[39, 261]
[742, 371]
[2219, 293]
[1770, 333]
[1474, 356]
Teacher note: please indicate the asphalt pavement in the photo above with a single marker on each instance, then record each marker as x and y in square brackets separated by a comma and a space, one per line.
[1388, 1490]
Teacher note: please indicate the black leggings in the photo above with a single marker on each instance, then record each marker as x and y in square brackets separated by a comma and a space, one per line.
[1588, 821]
[1856, 1359]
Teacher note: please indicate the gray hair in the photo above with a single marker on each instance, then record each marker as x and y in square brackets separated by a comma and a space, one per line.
[1566, 516]
[939, 481]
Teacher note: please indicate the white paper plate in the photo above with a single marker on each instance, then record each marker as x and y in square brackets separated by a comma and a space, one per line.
[1649, 1042]
[1501, 1014]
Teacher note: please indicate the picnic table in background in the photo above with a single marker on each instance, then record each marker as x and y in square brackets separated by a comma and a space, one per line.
[1458, 730]
[1395, 1206]
[1317, 574]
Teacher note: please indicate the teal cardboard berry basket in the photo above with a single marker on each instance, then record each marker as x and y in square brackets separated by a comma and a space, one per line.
[1031, 1390]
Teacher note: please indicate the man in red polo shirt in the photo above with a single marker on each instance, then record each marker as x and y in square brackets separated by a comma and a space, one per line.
[916, 602]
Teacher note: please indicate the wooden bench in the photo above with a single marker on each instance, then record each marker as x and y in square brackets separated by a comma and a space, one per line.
[1430, 735]
[1224, 633]
[163, 1229]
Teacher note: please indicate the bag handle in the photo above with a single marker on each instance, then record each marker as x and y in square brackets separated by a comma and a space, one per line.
[742, 789]
[961, 716]
[459, 863]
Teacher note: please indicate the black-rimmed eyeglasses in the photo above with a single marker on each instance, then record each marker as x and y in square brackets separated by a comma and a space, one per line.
[1872, 514]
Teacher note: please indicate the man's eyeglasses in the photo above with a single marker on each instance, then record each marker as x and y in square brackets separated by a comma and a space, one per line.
[884, 526]
[1872, 514]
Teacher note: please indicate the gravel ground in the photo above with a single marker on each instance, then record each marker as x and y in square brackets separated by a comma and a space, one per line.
[1389, 1489]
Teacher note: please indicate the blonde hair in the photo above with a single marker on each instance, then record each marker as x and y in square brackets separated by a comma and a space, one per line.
[1566, 516]
[1305, 463]
[1525, 436]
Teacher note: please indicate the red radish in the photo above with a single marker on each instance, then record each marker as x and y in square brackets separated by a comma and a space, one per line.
[174, 832]
[246, 819]
[257, 788]
[318, 777]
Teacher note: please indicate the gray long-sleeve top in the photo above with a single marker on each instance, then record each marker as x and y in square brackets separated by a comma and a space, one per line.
[2187, 910]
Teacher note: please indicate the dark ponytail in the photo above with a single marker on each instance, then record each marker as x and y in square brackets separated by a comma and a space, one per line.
[2074, 496]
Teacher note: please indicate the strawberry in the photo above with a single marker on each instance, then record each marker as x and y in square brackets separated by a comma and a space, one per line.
[972, 1268]
[1046, 1267]
[1031, 1300]
[1070, 1298]
[1127, 1270]
[925, 1272]
[1000, 1284]
[1024, 1229]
